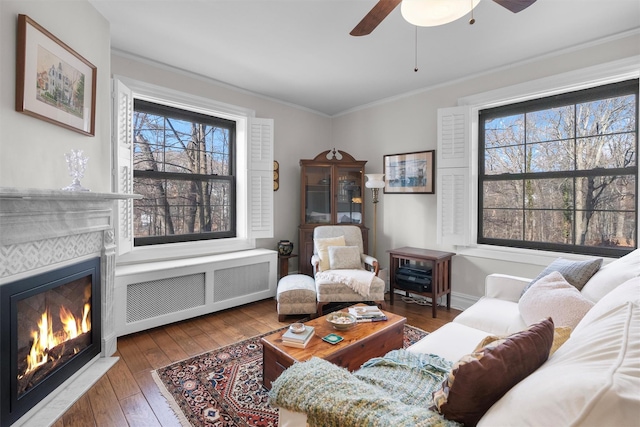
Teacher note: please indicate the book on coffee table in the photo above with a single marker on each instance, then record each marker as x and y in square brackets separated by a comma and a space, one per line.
[367, 312]
[371, 319]
[300, 340]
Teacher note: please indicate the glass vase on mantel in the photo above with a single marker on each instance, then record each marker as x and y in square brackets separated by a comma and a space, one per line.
[77, 164]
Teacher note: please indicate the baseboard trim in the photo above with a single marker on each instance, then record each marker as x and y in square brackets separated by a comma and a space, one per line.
[461, 301]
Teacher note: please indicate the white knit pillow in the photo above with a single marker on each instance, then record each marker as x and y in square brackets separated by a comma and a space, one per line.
[552, 296]
[344, 257]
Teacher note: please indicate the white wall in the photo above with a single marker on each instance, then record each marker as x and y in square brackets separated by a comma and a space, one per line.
[299, 133]
[408, 124]
[32, 150]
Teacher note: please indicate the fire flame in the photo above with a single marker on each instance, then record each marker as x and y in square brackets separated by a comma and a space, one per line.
[44, 338]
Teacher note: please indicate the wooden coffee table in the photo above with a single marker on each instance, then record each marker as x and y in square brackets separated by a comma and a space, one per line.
[360, 343]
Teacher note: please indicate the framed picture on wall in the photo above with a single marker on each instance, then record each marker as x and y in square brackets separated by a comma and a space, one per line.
[53, 82]
[409, 172]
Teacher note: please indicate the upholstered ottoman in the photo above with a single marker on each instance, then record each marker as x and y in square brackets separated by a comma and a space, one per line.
[296, 295]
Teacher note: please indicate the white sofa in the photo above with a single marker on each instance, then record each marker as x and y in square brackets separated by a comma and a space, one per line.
[593, 379]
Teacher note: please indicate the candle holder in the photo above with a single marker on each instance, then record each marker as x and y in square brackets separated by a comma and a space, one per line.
[77, 164]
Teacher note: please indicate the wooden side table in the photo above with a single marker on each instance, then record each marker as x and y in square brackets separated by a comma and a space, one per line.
[284, 264]
[440, 272]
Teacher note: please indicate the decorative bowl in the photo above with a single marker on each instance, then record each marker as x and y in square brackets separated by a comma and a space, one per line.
[297, 328]
[341, 320]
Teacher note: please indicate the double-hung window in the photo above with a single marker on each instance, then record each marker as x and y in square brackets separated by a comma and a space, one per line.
[183, 166]
[560, 173]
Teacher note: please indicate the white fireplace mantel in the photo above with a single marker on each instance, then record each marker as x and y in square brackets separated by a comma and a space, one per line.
[32, 214]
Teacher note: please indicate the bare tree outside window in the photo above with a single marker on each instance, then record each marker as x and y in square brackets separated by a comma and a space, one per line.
[183, 166]
[561, 173]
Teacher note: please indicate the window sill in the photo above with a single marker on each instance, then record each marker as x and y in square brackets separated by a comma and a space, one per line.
[174, 251]
[524, 256]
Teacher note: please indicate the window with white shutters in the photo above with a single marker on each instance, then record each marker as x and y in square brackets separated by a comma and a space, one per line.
[204, 173]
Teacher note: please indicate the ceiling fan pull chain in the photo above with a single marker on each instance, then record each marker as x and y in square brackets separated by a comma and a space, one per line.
[472, 20]
[415, 69]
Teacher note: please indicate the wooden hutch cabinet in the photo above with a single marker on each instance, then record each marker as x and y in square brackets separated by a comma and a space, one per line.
[331, 193]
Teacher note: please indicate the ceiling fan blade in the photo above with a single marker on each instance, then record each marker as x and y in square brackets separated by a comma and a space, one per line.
[515, 6]
[375, 16]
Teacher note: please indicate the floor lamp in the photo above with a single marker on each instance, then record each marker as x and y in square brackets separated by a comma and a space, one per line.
[375, 181]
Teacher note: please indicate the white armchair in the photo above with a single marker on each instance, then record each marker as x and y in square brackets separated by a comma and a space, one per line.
[342, 271]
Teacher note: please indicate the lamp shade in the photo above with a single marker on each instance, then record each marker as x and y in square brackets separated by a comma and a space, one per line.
[374, 180]
[431, 13]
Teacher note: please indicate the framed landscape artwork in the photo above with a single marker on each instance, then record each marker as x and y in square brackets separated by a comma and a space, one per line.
[53, 82]
[409, 172]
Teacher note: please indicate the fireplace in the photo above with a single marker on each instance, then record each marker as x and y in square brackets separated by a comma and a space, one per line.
[51, 327]
[54, 245]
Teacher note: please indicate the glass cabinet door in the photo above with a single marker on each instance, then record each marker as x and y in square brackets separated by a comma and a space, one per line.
[317, 194]
[349, 198]
[331, 193]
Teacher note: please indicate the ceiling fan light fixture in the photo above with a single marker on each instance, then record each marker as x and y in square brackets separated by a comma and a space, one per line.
[431, 13]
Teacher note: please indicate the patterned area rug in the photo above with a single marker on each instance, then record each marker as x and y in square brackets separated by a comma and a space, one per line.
[224, 387]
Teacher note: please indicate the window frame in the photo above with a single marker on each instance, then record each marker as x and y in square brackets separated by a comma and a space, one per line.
[254, 173]
[627, 87]
[461, 235]
[189, 115]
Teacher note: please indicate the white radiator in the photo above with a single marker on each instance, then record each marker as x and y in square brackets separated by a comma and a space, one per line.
[154, 294]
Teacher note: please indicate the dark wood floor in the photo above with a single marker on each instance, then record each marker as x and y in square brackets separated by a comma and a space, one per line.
[127, 394]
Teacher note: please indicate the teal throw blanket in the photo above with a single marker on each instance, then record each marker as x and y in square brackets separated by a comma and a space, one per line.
[394, 390]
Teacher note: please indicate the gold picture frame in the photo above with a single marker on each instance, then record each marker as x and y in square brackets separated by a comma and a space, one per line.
[409, 173]
[53, 82]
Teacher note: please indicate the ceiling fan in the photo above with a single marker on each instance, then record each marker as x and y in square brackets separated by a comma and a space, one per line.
[451, 10]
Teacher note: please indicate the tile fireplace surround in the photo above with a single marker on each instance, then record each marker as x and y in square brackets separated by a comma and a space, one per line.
[41, 230]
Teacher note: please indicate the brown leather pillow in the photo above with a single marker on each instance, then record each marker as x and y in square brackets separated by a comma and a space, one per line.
[479, 379]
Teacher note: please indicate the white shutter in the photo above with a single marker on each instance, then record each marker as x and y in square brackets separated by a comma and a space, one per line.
[453, 137]
[453, 206]
[453, 177]
[260, 178]
[122, 140]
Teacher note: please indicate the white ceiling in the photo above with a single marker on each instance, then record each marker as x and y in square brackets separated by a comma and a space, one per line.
[300, 51]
